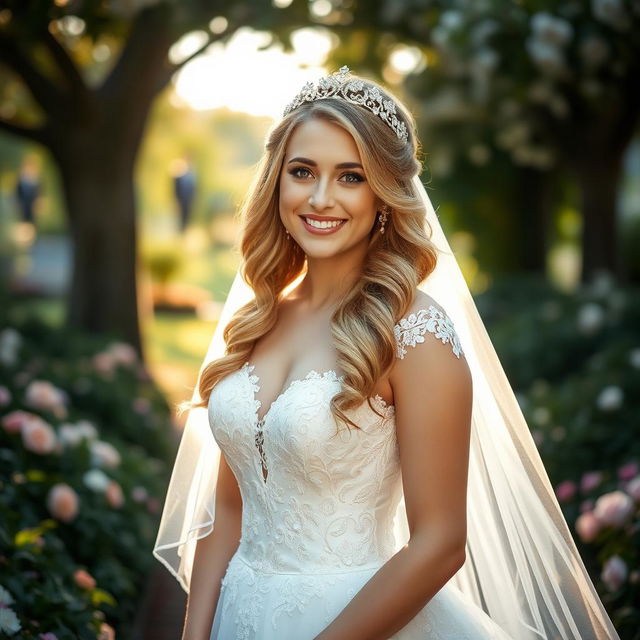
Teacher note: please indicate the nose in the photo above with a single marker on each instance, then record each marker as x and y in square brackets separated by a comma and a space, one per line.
[321, 197]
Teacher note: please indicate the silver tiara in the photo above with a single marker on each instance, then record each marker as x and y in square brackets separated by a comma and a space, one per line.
[352, 90]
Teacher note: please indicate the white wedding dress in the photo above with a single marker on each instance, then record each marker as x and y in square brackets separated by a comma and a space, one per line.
[318, 506]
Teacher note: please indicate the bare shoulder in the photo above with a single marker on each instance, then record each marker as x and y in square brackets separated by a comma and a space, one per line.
[432, 391]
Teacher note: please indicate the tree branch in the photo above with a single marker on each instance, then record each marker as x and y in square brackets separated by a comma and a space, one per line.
[37, 135]
[171, 69]
[40, 87]
[65, 63]
[148, 40]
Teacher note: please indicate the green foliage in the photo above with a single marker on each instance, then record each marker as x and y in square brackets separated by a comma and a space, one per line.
[162, 260]
[77, 412]
[574, 361]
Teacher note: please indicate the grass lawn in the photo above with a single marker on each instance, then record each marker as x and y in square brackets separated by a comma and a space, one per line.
[175, 345]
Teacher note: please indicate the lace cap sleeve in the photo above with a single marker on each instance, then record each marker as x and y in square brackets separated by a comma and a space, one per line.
[410, 330]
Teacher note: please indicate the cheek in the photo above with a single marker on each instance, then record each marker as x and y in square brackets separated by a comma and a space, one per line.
[363, 206]
[291, 195]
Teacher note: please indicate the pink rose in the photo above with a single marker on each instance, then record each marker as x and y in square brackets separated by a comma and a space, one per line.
[5, 396]
[123, 353]
[62, 502]
[588, 526]
[114, 495]
[13, 422]
[566, 490]
[586, 505]
[633, 488]
[41, 394]
[153, 505]
[614, 573]
[590, 481]
[139, 494]
[628, 471]
[104, 363]
[84, 579]
[38, 436]
[106, 632]
[48, 636]
[141, 406]
[613, 508]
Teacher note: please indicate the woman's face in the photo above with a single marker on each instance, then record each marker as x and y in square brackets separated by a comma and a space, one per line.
[326, 202]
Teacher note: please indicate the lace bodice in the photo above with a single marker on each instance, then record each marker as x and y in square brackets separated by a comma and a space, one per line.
[315, 498]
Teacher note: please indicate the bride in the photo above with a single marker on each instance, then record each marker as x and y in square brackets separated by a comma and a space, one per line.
[354, 464]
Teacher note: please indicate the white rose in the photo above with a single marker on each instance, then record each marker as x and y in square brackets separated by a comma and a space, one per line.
[614, 508]
[69, 435]
[96, 480]
[551, 29]
[9, 622]
[590, 318]
[614, 573]
[10, 342]
[5, 596]
[87, 429]
[610, 398]
[104, 454]
[546, 56]
[611, 12]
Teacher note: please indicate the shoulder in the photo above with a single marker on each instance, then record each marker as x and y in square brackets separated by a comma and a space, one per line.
[425, 316]
[433, 399]
[430, 367]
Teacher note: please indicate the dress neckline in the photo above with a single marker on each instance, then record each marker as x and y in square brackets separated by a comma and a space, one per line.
[329, 374]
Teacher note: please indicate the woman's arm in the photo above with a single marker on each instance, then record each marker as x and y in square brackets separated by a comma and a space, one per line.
[212, 556]
[433, 397]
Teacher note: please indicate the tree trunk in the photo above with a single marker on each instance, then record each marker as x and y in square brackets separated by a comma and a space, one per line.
[598, 184]
[96, 151]
[96, 158]
[534, 214]
[103, 293]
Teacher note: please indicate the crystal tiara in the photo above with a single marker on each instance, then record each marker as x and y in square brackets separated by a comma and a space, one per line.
[353, 90]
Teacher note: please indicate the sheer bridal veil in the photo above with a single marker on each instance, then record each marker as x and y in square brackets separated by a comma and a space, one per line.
[522, 565]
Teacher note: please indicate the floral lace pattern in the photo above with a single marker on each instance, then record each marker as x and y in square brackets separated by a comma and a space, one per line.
[410, 330]
[318, 505]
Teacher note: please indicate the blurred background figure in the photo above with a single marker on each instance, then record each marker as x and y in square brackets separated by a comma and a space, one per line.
[27, 192]
[184, 182]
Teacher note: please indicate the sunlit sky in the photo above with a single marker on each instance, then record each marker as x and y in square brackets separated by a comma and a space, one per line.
[239, 76]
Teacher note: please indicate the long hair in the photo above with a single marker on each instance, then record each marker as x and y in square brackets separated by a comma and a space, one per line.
[396, 261]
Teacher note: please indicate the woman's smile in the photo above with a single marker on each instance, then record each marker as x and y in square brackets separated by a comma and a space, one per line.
[325, 192]
[322, 225]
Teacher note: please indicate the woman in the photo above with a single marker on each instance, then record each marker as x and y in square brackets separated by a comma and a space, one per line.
[354, 382]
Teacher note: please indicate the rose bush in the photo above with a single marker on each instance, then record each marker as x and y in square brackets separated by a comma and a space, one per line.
[82, 475]
[574, 361]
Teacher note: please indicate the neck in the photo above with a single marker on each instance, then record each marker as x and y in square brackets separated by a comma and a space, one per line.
[328, 280]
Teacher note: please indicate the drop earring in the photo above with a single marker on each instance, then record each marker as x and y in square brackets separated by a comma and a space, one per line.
[383, 216]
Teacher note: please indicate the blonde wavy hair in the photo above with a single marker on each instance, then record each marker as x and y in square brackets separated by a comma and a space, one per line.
[396, 262]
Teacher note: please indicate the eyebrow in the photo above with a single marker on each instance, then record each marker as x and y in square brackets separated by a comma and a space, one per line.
[342, 165]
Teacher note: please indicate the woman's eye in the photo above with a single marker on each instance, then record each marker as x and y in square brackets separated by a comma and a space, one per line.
[303, 172]
[356, 177]
[295, 172]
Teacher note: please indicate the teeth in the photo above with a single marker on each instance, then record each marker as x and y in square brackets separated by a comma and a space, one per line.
[324, 224]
